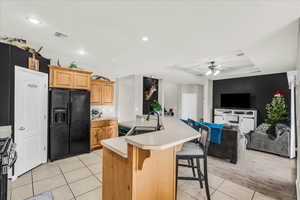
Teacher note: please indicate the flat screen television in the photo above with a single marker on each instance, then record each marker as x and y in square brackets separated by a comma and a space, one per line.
[237, 100]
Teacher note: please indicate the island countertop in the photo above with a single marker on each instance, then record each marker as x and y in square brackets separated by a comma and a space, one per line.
[174, 133]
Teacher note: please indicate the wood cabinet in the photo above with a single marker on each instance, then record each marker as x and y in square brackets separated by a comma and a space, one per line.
[108, 93]
[61, 77]
[102, 92]
[101, 130]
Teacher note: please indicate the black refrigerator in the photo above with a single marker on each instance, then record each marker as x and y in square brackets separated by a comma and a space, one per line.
[69, 130]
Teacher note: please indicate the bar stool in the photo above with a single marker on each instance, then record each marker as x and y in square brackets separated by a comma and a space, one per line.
[195, 151]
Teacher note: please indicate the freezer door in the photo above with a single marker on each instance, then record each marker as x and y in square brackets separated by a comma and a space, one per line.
[80, 122]
[59, 124]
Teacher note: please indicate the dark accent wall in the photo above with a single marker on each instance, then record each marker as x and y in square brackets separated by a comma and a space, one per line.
[261, 89]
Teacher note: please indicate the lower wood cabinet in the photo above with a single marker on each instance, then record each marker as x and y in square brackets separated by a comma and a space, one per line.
[101, 130]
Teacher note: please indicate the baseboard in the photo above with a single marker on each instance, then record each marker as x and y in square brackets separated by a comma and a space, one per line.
[298, 189]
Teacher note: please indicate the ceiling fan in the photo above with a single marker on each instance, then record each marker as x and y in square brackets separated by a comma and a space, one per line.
[213, 69]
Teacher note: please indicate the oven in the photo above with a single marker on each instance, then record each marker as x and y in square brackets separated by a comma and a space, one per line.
[8, 157]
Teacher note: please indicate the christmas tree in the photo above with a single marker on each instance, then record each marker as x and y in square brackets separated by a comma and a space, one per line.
[277, 110]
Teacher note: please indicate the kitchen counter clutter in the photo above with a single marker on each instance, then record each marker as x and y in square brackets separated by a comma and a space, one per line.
[130, 160]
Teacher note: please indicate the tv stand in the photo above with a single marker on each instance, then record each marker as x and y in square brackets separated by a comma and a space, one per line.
[246, 120]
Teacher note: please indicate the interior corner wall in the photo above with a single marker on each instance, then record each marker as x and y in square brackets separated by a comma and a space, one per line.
[129, 96]
[126, 98]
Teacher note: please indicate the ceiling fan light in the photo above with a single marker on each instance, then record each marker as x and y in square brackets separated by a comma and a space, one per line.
[209, 72]
[217, 72]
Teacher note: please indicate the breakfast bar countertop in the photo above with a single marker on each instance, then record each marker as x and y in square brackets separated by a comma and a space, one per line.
[174, 133]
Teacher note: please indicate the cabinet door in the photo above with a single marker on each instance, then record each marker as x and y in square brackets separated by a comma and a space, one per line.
[94, 138]
[62, 79]
[96, 94]
[81, 81]
[108, 94]
[111, 131]
[101, 134]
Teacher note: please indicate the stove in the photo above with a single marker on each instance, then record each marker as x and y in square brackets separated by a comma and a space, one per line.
[8, 157]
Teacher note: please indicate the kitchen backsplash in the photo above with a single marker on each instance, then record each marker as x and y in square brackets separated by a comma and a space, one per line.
[107, 110]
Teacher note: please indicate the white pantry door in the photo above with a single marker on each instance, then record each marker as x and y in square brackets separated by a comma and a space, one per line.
[31, 100]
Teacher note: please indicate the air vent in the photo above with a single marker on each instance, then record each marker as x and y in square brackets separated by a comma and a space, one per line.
[240, 54]
[60, 35]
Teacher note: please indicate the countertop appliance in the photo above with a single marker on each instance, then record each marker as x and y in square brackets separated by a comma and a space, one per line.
[69, 132]
[8, 157]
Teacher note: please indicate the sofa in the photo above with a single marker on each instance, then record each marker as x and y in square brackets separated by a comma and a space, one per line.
[261, 141]
[231, 142]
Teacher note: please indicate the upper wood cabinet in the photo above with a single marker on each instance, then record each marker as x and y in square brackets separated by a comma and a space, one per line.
[102, 92]
[61, 77]
[108, 93]
[96, 92]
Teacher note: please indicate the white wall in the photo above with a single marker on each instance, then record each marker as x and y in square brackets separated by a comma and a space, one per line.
[126, 98]
[298, 128]
[208, 101]
[171, 95]
[298, 117]
[192, 88]
[129, 97]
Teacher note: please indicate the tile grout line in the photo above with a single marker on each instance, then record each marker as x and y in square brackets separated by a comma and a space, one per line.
[92, 174]
[67, 183]
[32, 182]
[253, 195]
[90, 170]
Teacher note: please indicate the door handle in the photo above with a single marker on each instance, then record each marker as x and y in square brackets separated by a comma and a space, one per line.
[22, 128]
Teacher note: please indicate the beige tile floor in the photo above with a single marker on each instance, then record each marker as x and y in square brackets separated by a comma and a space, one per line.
[80, 178]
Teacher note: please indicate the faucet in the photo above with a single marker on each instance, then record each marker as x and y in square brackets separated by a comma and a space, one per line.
[158, 126]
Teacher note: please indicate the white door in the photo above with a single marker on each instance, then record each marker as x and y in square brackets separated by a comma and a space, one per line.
[31, 99]
[189, 106]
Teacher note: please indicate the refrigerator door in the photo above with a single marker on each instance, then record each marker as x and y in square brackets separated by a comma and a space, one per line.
[59, 124]
[80, 122]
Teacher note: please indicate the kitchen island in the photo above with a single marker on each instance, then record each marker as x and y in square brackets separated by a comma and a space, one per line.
[143, 167]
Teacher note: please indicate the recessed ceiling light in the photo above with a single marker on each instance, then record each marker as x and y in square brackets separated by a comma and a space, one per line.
[82, 52]
[145, 39]
[33, 20]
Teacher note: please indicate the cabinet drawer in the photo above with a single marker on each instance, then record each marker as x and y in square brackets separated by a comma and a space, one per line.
[103, 123]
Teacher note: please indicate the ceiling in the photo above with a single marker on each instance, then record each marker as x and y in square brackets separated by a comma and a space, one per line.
[179, 33]
[234, 63]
